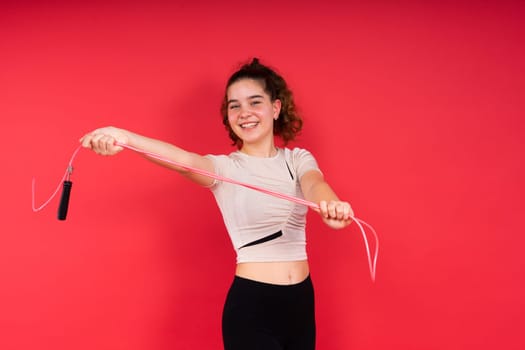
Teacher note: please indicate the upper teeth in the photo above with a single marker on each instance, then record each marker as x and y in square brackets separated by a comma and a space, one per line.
[248, 125]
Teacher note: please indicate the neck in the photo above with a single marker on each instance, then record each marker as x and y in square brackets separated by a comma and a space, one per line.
[265, 151]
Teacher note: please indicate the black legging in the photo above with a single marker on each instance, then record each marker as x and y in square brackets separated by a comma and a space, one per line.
[263, 316]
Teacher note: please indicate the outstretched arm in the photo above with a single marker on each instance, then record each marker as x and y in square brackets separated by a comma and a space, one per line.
[103, 141]
[335, 213]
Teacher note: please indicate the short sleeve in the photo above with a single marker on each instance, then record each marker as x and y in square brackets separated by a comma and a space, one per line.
[304, 161]
[219, 163]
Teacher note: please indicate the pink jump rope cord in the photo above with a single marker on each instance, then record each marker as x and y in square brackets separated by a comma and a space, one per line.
[68, 172]
[372, 262]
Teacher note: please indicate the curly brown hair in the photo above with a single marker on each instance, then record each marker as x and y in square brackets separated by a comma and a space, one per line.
[289, 123]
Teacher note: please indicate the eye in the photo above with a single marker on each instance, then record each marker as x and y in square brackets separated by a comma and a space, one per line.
[234, 106]
[255, 103]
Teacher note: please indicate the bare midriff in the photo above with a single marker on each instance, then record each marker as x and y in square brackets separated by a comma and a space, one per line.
[281, 272]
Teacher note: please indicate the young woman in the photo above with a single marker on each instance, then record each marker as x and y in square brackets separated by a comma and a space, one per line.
[270, 304]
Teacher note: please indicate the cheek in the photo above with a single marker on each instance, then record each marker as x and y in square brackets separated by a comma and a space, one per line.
[232, 117]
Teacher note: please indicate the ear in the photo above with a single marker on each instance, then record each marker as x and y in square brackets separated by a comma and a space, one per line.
[276, 108]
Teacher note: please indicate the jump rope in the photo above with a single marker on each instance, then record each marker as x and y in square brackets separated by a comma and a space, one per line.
[67, 184]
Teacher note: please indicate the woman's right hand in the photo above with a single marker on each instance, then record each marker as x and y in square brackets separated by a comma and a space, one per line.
[103, 141]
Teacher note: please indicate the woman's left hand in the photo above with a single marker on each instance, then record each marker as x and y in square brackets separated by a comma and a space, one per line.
[336, 214]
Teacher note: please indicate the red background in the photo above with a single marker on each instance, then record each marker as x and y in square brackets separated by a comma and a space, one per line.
[414, 112]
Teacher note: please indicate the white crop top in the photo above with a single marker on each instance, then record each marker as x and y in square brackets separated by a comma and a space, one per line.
[250, 215]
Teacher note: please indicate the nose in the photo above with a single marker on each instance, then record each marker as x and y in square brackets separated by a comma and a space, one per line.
[245, 111]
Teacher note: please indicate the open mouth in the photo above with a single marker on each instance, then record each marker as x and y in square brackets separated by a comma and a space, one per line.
[249, 125]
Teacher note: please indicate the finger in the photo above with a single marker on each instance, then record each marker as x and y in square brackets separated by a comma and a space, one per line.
[347, 222]
[351, 214]
[340, 210]
[332, 210]
[101, 142]
[344, 211]
[85, 141]
[95, 138]
[96, 145]
[323, 206]
[109, 144]
[347, 212]
[105, 143]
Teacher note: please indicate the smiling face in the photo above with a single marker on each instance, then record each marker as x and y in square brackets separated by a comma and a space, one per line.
[251, 114]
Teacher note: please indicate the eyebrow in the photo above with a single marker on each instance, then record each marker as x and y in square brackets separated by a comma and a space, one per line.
[249, 98]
